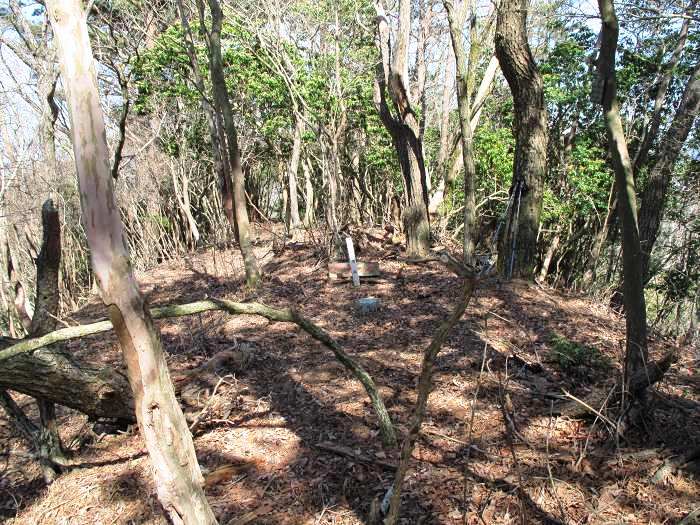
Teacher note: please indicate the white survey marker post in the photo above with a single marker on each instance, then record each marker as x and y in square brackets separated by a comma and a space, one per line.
[353, 262]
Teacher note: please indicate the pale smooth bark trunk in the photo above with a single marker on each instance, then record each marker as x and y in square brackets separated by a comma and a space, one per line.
[177, 475]
[214, 135]
[309, 209]
[453, 161]
[182, 195]
[544, 271]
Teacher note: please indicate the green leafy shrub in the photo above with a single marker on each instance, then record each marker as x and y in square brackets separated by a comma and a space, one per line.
[576, 359]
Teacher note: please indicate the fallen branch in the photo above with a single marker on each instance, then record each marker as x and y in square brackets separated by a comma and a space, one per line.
[288, 315]
[352, 454]
[640, 381]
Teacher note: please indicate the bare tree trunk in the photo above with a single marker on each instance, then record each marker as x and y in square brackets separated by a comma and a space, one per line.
[453, 160]
[214, 135]
[653, 196]
[518, 245]
[448, 83]
[652, 123]
[465, 87]
[404, 128]
[234, 157]
[48, 263]
[165, 431]
[310, 208]
[182, 195]
[636, 353]
[294, 219]
[548, 258]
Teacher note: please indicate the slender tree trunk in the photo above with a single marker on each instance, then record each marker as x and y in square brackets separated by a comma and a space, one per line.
[654, 195]
[294, 219]
[652, 123]
[182, 195]
[548, 258]
[518, 245]
[165, 431]
[465, 87]
[453, 160]
[310, 208]
[636, 353]
[217, 152]
[446, 99]
[334, 174]
[222, 101]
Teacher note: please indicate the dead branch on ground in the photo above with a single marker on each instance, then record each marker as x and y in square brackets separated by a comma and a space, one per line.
[288, 315]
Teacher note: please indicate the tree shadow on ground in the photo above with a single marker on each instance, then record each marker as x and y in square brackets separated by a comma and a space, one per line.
[304, 398]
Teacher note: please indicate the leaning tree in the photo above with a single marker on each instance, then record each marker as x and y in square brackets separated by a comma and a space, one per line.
[169, 442]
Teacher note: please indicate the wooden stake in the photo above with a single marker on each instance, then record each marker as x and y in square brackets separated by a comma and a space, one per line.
[353, 262]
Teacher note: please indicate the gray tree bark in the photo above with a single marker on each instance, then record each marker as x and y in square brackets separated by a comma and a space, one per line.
[636, 352]
[517, 251]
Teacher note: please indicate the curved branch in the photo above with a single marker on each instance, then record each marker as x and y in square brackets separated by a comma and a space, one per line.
[288, 315]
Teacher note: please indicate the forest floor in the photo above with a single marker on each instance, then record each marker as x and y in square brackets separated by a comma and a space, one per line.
[259, 442]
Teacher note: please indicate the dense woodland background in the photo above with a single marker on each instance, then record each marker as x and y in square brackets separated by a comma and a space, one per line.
[301, 79]
[487, 130]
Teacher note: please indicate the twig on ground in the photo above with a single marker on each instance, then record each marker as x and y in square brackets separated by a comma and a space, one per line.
[352, 454]
[208, 404]
[590, 430]
[591, 409]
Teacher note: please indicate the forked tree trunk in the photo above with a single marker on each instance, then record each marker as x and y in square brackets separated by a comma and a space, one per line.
[451, 161]
[403, 126]
[223, 103]
[636, 353]
[517, 250]
[44, 437]
[425, 384]
[168, 440]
